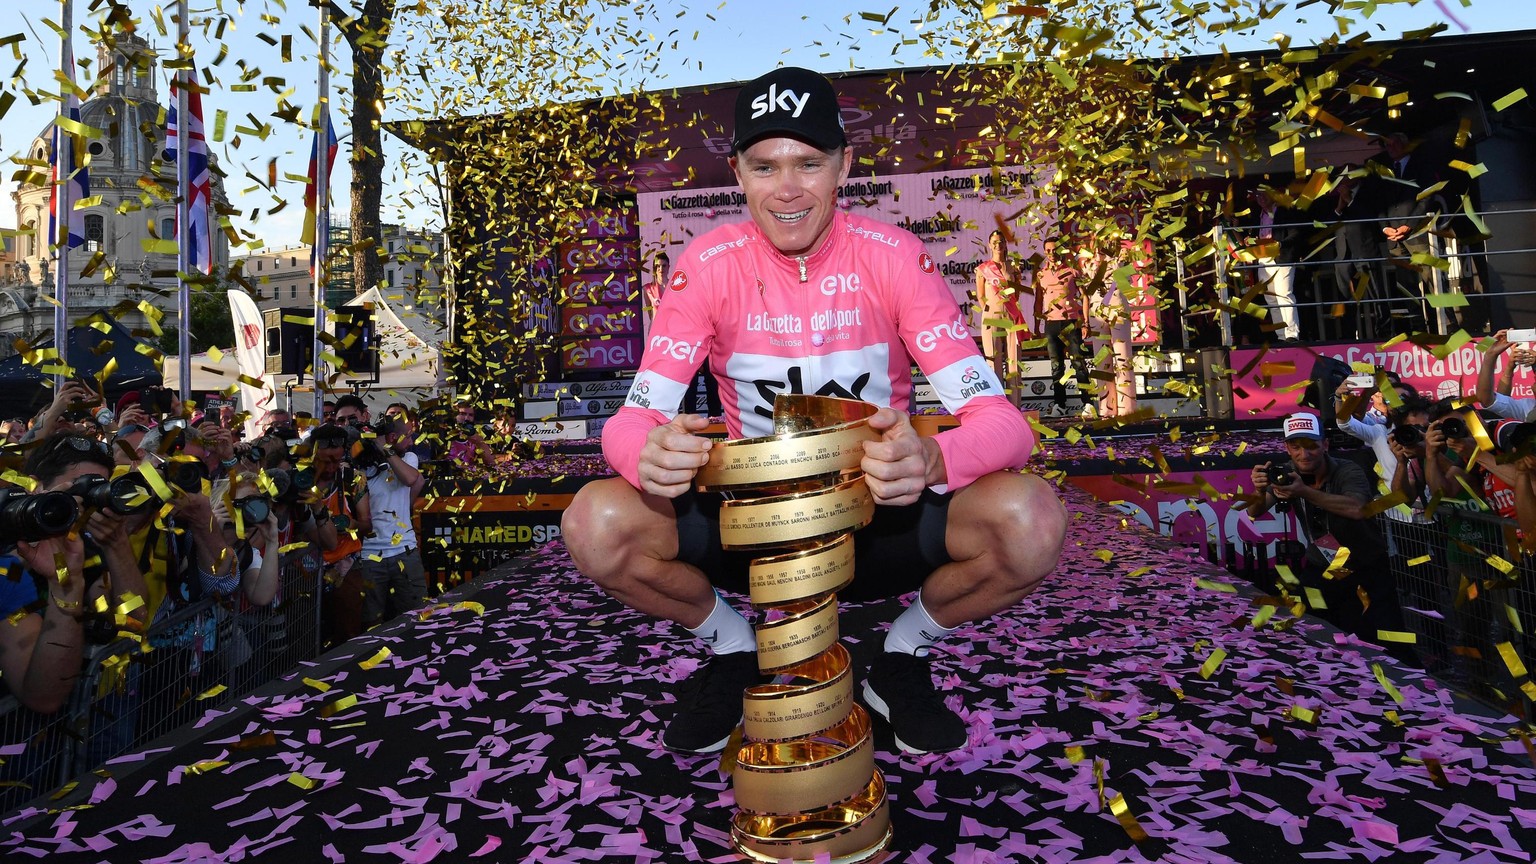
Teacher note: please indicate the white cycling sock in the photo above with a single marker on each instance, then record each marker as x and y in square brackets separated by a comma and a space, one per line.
[914, 630]
[725, 631]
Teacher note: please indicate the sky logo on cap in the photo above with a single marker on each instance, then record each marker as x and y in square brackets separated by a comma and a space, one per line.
[775, 100]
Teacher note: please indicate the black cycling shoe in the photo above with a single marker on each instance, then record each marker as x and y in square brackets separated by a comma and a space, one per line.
[709, 709]
[900, 689]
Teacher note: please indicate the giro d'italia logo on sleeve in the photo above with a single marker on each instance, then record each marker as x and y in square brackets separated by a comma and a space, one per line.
[925, 262]
[679, 281]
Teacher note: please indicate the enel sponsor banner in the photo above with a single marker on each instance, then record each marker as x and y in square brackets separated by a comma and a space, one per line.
[596, 354]
[599, 321]
[599, 222]
[604, 254]
[1270, 383]
[600, 287]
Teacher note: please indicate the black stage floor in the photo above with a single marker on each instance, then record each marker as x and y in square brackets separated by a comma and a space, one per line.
[520, 724]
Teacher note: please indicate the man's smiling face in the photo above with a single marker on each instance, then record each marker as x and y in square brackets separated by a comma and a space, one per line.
[791, 190]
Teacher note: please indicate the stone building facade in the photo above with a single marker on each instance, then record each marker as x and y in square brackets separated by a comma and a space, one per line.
[136, 182]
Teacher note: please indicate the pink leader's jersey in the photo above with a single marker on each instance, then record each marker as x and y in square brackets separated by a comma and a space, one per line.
[844, 321]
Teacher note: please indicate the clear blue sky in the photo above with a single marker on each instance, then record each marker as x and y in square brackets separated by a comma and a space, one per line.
[735, 40]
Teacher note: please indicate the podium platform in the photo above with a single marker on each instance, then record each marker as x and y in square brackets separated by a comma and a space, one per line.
[1138, 707]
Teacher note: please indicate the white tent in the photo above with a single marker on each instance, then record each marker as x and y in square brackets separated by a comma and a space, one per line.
[408, 340]
[206, 374]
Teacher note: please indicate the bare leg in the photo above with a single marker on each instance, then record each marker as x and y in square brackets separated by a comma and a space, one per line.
[1005, 533]
[625, 541]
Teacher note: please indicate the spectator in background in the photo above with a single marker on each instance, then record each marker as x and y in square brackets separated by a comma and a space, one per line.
[1059, 315]
[660, 263]
[1497, 399]
[277, 418]
[1404, 209]
[64, 581]
[191, 559]
[1358, 250]
[1368, 416]
[1274, 235]
[422, 450]
[467, 445]
[655, 293]
[1109, 277]
[345, 496]
[997, 290]
[244, 512]
[1331, 499]
[1517, 440]
[1405, 440]
[11, 431]
[394, 579]
[1450, 450]
[327, 411]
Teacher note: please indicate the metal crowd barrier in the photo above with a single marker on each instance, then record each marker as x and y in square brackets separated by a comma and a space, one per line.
[1469, 596]
[202, 657]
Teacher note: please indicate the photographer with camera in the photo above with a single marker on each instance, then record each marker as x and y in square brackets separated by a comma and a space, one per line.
[76, 407]
[340, 493]
[1368, 416]
[393, 573]
[1457, 469]
[1330, 499]
[1406, 442]
[67, 561]
[1497, 399]
[191, 558]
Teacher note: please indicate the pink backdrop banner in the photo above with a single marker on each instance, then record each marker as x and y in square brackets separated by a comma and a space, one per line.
[952, 212]
[1188, 515]
[1265, 383]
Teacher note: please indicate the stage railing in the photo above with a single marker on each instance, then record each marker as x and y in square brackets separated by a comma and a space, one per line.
[202, 657]
[1457, 256]
[1469, 596]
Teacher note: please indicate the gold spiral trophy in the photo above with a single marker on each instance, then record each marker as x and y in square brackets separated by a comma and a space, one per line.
[805, 777]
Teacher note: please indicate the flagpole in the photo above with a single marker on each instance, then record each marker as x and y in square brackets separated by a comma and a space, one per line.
[322, 236]
[62, 204]
[183, 202]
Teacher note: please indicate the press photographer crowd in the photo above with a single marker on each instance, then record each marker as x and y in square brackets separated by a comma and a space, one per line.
[1463, 463]
[115, 518]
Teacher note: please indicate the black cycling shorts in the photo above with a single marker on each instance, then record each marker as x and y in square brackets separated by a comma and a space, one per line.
[893, 555]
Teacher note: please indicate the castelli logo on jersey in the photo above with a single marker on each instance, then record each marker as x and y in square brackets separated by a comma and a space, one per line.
[925, 261]
[679, 281]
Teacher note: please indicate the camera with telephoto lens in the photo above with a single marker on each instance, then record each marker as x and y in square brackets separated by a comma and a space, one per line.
[254, 510]
[35, 517]
[185, 474]
[1408, 435]
[124, 496]
[370, 453]
[1454, 428]
[289, 486]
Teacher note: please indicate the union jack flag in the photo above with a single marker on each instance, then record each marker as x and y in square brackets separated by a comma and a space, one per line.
[197, 236]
